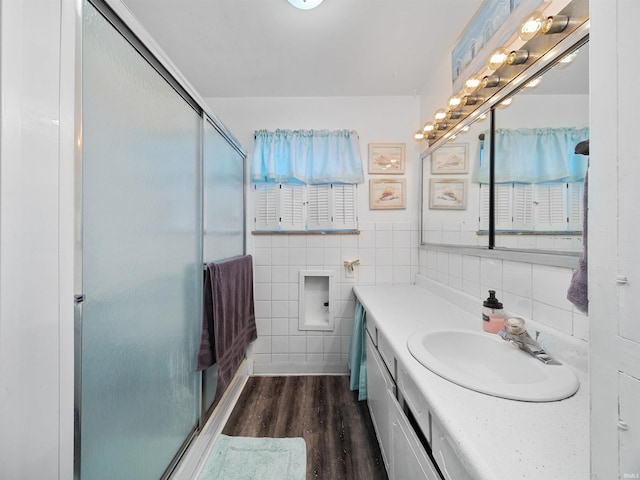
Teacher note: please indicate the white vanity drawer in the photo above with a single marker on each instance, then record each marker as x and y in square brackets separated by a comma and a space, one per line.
[445, 456]
[416, 402]
[387, 355]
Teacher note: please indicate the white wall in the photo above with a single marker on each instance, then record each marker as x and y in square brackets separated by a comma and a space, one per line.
[387, 246]
[36, 295]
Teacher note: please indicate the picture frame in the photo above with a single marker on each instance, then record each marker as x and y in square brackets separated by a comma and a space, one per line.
[448, 193]
[387, 158]
[451, 158]
[387, 193]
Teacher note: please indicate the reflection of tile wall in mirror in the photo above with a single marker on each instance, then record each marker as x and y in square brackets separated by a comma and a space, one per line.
[560, 100]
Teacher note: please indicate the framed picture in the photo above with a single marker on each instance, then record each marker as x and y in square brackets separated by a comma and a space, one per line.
[449, 159]
[448, 194]
[386, 158]
[387, 193]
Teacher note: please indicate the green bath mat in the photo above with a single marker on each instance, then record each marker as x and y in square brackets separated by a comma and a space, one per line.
[246, 458]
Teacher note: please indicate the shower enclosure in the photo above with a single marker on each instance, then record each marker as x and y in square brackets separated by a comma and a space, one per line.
[156, 170]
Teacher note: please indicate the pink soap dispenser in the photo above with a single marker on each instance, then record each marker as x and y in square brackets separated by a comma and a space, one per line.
[493, 315]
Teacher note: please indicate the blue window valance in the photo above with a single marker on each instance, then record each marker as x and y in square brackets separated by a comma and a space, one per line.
[307, 156]
[536, 155]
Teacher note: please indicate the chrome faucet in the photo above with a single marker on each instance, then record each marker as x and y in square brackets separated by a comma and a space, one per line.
[516, 333]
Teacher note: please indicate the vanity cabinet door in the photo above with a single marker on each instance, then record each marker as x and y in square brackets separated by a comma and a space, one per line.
[379, 383]
[408, 458]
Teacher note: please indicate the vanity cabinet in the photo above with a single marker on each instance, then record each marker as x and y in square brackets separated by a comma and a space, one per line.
[403, 454]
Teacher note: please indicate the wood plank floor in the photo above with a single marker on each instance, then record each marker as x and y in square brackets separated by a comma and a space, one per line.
[341, 442]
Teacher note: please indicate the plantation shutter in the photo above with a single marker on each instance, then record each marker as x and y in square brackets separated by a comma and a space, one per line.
[503, 212]
[318, 207]
[266, 206]
[576, 207]
[483, 219]
[344, 207]
[551, 211]
[291, 207]
[522, 207]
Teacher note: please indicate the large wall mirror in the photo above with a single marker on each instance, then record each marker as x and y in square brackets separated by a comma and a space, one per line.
[539, 180]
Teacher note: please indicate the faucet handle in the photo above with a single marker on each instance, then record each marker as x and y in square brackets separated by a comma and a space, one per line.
[515, 325]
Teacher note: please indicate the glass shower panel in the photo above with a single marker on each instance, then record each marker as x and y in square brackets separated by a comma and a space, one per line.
[142, 272]
[223, 214]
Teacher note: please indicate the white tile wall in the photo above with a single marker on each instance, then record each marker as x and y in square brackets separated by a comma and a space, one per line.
[532, 291]
[388, 254]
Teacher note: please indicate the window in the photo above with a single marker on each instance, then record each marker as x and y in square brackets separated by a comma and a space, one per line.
[294, 207]
[542, 207]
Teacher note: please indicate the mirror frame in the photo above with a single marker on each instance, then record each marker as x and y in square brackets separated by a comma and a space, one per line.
[518, 75]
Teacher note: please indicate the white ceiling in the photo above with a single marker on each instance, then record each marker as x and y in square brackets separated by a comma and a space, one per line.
[256, 48]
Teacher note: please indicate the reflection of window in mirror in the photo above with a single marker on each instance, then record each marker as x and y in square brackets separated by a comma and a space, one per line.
[539, 178]
[445, 220]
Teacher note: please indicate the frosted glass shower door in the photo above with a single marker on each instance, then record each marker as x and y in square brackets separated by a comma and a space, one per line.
[142, 261]
[223, 215]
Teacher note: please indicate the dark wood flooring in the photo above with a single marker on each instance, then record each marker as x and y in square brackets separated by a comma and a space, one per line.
[341, 442]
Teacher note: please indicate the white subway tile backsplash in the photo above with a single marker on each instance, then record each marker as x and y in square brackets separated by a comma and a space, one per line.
[491, 273]
[315, 358]
[315, 257]
[280, 241]
[455, 265]
[331, 241]
[298, 358]
[472, 288]
[553, 317]
[384, 275]
[280, 358]
[280, 309]
[367, 239]
[314, 241]
[263, 326]
[384, 226]
[402, 226]
[315, 345]
[401, 275]
[262, 309]
[279, 291]
[332, 257]
[262, 345]
[294, 291]
[349, 241]
[262, 256]
[455, 282]
[298, 256]
[580, 325]
[280, 345]
[279, 274]
[384, 239]
[550, 286]
[401, 256]
[333, 357]
[367, 275]
[517, 305]
[262, 274]
[471, 268]
[297, 241]
[332, 344]
[384, 256]
[442, 262]
[293, 309]
[517, 278]
[262, 291]
[262, 241]
[367, 257]
[280, 326]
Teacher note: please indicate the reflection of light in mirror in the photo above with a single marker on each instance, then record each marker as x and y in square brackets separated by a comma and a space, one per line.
[465, 128]
[567, 59]
[533, 83]
[505, 103]
[482, 117]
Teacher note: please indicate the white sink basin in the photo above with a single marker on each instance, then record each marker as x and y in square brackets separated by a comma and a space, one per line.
[485, 363]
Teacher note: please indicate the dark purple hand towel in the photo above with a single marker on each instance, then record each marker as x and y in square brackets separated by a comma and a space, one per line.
[207, 353]
[234, 320]
[578, 292]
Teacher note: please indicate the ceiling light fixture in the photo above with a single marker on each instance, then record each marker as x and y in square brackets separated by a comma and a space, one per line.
[305, 4]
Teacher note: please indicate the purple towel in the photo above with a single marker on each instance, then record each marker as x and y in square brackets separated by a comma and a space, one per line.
[207, 353]
[578, 292]
[234, 321]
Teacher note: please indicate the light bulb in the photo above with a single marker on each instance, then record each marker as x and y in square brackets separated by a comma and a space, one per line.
[472, 84]
[454, 101]
[440, 115]
[418, 135]
[505, 103]
[497, 58]
[533, 83]
[428, 127]
[532, 26]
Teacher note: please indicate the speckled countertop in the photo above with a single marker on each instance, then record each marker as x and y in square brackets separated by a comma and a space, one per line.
[494, 438]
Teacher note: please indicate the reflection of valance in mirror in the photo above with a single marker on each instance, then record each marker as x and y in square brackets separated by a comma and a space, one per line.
[536, 155]
[307, 156]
